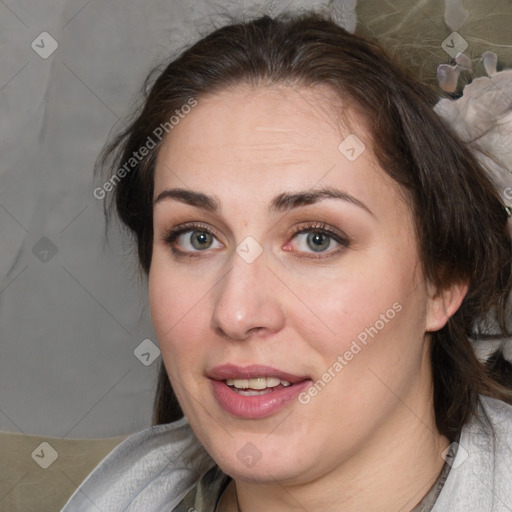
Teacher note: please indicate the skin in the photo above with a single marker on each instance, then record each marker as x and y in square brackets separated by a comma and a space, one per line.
[368, 440]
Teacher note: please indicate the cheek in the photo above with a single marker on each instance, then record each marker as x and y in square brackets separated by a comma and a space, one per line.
[346, 307]
[176, 311]
[371, 322]
[178, 314]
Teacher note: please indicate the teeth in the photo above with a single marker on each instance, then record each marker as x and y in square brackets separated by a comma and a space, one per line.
[257, 383]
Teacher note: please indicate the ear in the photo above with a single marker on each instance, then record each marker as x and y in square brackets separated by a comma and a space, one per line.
[442, 304]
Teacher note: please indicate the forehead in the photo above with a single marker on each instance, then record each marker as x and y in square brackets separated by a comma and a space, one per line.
[276, 119]
[265, 139]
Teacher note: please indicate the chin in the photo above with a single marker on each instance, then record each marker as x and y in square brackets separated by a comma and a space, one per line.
[270, 472]
[259, 460]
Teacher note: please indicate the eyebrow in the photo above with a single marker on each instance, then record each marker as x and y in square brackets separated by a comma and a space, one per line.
[197, 199]
[285, 202]
[281, 203]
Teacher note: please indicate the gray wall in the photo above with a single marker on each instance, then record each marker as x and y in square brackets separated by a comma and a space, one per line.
[72, 310]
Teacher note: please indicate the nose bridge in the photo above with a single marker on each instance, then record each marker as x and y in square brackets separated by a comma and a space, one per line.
[244, 302]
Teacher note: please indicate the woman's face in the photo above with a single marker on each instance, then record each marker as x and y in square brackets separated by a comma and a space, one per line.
[285, 260]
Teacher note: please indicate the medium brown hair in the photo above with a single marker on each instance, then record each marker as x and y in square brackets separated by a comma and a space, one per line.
[460, 221]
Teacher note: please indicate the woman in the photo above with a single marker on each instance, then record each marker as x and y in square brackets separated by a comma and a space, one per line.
[319, 248]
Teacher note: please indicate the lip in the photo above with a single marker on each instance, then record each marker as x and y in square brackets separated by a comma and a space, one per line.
[231, 371]
[258, 406]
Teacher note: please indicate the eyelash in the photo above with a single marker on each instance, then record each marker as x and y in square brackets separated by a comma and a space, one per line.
[172, 235]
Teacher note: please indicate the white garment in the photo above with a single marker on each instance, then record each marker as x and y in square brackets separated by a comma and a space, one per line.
[152, 470]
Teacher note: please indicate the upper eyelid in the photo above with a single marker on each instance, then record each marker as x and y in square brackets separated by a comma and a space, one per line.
[176, 232]
[192, 226]
[315, 226]
[337, 234]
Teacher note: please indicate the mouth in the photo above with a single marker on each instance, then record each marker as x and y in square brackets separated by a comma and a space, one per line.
[257, 385]
[254, 391]
[254, 377]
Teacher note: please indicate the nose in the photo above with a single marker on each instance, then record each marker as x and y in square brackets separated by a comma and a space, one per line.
[246, 303]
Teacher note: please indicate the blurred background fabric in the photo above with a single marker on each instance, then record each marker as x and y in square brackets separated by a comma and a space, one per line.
[417, 33]
[78, 355]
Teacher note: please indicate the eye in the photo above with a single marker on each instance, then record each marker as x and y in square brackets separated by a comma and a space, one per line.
[316, 239]
[191, 239]
[196, 240]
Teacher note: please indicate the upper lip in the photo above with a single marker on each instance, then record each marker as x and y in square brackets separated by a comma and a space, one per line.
[231, 371]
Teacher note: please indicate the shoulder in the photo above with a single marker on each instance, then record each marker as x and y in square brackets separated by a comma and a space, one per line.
[480, 476]
[498, 414]
[150, 470]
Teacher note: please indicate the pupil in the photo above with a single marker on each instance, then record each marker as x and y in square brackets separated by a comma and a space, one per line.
[318, 241]
[201, 240]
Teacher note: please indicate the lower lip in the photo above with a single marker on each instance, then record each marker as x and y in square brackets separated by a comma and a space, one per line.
[257, 406]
